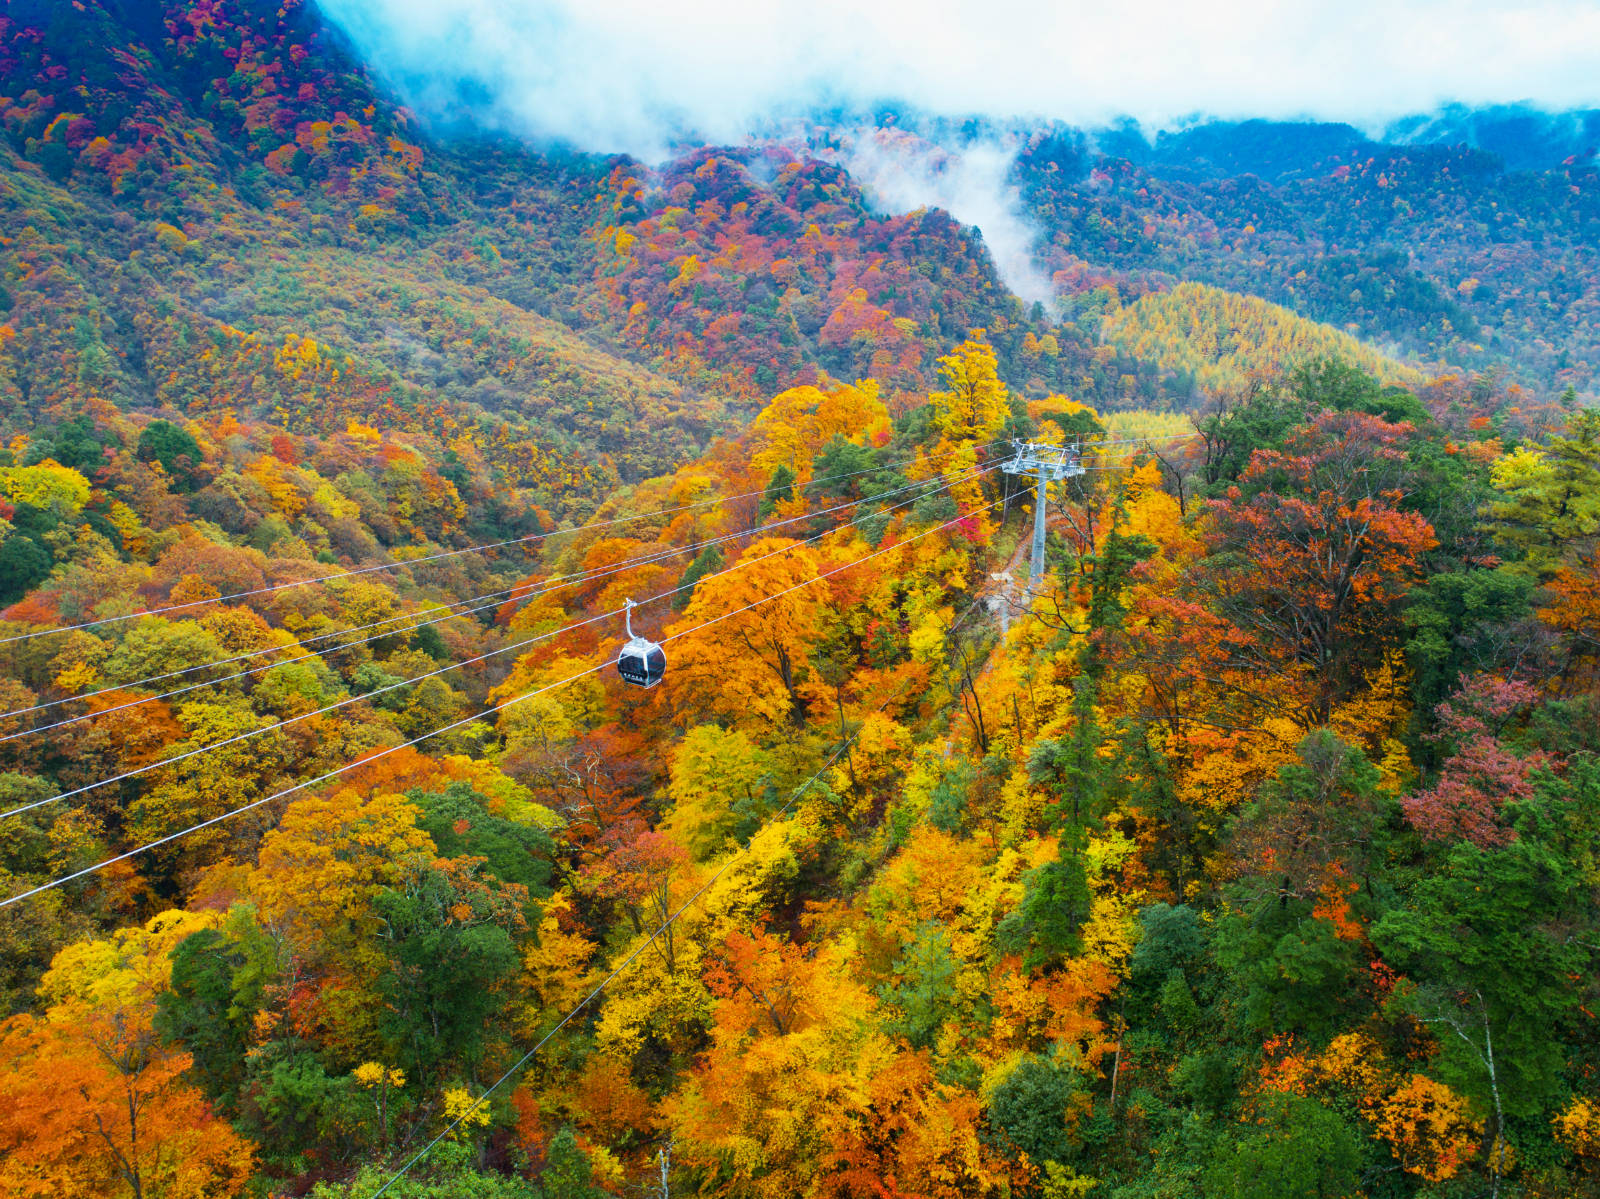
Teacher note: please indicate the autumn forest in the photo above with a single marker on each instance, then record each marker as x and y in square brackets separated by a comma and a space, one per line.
[1244, 847]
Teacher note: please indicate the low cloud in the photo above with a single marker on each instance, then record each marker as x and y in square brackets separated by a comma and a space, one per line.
[636, 75]
[644, 78]
[901, 173]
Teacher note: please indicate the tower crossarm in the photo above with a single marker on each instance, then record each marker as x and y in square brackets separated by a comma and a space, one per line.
[1047, 462]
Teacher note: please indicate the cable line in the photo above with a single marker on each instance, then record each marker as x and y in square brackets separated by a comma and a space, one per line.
[532, 537]
[555, 583]
[481, 602]
[245, 736]
[145, 769]
[476, 604]
[466, 720]
[493, 600]
[471, 549]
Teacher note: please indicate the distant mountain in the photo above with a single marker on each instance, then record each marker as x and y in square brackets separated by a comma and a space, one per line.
[225, 173]
[188, 189]
[1524, 138]
[1271, 150]
[1469, 241]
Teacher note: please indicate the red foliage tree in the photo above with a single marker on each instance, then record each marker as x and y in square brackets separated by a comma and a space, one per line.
[1483, 774]
[1318, 551]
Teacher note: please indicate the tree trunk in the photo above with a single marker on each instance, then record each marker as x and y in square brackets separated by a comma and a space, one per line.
[1498, 1163]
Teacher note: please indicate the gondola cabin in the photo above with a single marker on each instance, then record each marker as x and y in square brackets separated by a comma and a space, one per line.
[641, 661]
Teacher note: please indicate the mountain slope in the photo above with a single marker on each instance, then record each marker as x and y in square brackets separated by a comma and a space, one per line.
[1217, 338]
[1442, 250]
[230, 168]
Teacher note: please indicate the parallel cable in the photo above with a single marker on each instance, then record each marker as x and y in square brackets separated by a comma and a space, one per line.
[473, 549]
[482, 602]
[545, 586]
[493, 599]
[530, 538]
[466, 720]
[246, 736]
[150, 766]
[794, 797]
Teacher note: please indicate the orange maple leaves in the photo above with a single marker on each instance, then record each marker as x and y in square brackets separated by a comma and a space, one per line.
[1427, 1126]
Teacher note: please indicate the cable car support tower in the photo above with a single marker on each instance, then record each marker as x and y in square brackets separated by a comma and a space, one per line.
[1044, 464]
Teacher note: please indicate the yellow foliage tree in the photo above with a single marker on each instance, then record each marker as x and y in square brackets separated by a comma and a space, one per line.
[715, 772]
[749, 666]
[800, 421]
[329, 856]
[974, 404]
[45, 485]
[92, 1100]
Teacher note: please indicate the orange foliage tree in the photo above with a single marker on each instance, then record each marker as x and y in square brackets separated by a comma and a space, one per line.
[1319, 552]
[93, 1101]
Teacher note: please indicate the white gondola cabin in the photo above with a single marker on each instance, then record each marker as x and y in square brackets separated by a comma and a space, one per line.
[640, 661]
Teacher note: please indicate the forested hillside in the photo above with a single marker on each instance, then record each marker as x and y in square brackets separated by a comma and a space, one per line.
[1243, 848]
[1209, 339]
[218, 211]
[1217, 874]
[1441, 248]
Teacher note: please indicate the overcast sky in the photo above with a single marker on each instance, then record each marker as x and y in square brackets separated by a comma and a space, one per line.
[626, 75]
